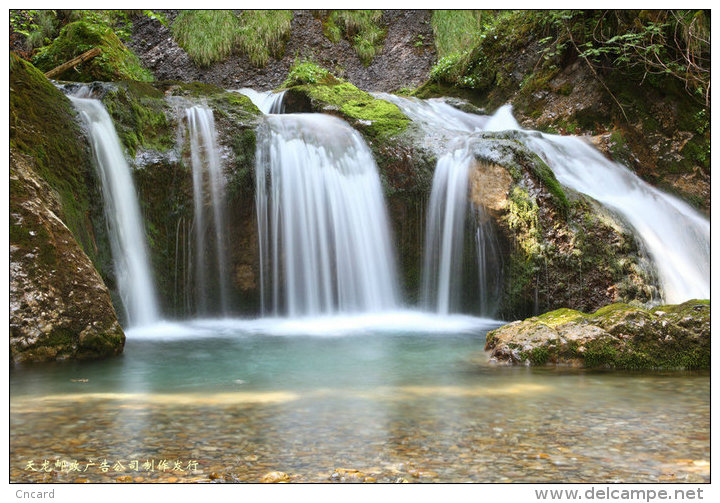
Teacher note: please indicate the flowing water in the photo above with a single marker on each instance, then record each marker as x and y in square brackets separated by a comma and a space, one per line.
[324, 236]
[675, 235]
[444, 238]
[267, 102]
[337, 377]
[122, 212]
[393, 395]
[208, 179]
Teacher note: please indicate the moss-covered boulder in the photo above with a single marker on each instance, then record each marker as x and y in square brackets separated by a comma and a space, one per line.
[616, 336]
[378, 119]
[115, 62]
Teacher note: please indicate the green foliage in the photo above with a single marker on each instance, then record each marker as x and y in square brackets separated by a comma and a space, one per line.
[645, 45]
[307, 71]
[206, 35]
[456, 30]
[360, 27]
[116, 62]
[263, 33]
[209, 36]
[40, 27]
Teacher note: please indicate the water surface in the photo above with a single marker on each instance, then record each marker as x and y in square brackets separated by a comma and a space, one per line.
[393, 400]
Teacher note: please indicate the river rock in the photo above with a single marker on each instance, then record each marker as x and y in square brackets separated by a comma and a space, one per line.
[615, 336]
[275, 478]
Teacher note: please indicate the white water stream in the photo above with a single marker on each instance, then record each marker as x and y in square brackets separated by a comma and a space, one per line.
[122, 211]
[208, 180]
[676, 236]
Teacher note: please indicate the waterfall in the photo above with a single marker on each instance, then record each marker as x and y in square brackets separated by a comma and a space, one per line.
[676, 236]
[444, 277]
[268, 102]
[207, 178]
[323, 227]
[122, 211]
[445, 231]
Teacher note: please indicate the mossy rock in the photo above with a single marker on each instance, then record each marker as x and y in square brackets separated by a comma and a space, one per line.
[44, 125]
[377, 119]
[115, 62]
[617, 336]
[140, 114]
[59, 306]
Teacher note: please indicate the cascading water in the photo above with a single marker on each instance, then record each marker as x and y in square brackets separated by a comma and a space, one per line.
[445, 231]
[675, 235]
[126, 230]
[324, 236]
[268, 102]
[207, 177]
[445, 235]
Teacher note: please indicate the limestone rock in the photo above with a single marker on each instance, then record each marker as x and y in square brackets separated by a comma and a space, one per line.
[59, 306]
[615, 336]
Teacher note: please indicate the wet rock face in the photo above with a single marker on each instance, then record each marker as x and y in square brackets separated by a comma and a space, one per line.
[59, 306]
[616, 336]
[407, 50]
[559, 248]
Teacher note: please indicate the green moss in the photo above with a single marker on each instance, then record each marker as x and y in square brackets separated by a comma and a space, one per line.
[380, 119]
[537, 356]
[43, 125]
[241, 182]
[116, 62]
[139, 114]
[546, 176]
[561, 316]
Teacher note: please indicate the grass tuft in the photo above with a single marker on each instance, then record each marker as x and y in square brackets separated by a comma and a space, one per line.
[361, 28]
[206, 35]
[209, 36]
[456, 30]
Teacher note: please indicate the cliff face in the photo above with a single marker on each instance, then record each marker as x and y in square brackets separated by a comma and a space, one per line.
[59, 305]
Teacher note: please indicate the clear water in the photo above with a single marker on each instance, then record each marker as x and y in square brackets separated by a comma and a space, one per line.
[245, 397]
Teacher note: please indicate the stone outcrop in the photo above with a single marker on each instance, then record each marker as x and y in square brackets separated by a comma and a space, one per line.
[59, 306]
[615, 336]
